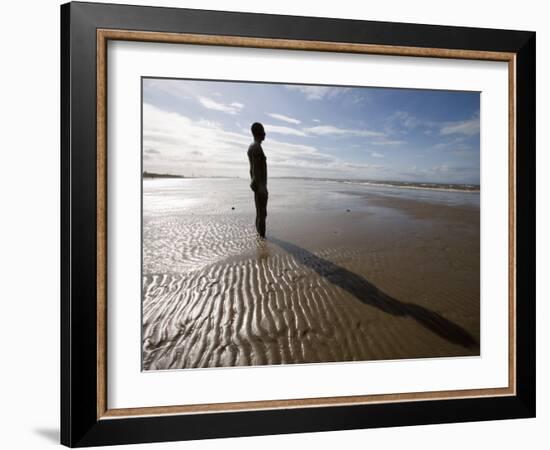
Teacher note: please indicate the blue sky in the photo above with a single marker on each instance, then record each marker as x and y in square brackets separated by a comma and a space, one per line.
[202, 128]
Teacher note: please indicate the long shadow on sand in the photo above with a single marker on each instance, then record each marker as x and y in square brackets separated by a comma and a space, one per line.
[369, 294]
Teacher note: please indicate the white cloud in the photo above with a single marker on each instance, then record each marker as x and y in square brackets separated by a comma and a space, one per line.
[283, 130]
[377, 155]
[316, 120]
[446, 172]
[451, 169]
[468, 127]
[409, 121]
[440, 168]
[330, 130]
[453, 143]
[388, 142]
[284, 118]
[402, 122]
[318, 92]
[187, 147]
[363, 166]
[232, 108]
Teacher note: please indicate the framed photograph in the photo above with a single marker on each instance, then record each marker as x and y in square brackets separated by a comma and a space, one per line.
[277, 224]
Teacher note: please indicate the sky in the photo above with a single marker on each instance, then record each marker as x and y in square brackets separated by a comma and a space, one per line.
[202, 128]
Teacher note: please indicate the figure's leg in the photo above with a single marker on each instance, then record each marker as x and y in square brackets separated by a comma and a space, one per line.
[262, 214]
[257, 203]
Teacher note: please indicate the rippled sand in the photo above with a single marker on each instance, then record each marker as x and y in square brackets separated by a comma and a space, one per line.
[346, 274]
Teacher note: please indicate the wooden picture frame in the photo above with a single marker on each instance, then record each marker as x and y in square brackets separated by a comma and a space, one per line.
[86, 418]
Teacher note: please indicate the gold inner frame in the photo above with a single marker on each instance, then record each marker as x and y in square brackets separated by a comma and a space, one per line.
[104, 35]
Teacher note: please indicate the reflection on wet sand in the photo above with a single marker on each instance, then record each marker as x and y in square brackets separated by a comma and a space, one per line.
[390, 280]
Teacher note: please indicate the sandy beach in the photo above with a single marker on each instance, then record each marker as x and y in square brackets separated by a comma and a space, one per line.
[348, 272]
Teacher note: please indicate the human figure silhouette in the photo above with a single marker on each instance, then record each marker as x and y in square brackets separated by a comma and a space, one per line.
[258, 176]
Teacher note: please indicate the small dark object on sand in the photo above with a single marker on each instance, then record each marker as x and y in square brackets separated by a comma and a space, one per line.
[348, 210]
[232, 207]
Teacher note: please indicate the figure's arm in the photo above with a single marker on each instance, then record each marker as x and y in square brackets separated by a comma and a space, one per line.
[253, 171]
[265, 171]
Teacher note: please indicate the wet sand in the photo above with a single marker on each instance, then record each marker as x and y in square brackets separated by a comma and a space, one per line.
[347, 273]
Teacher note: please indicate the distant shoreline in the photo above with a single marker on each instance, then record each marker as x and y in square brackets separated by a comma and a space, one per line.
[169, 175]
[446, 187]
[421, 186]
[439, 186]
[160, 175]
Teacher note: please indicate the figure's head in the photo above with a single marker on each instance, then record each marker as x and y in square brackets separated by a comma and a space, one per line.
[258, 131]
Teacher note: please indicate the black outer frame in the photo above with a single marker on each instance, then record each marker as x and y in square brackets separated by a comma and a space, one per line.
[79, 424]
